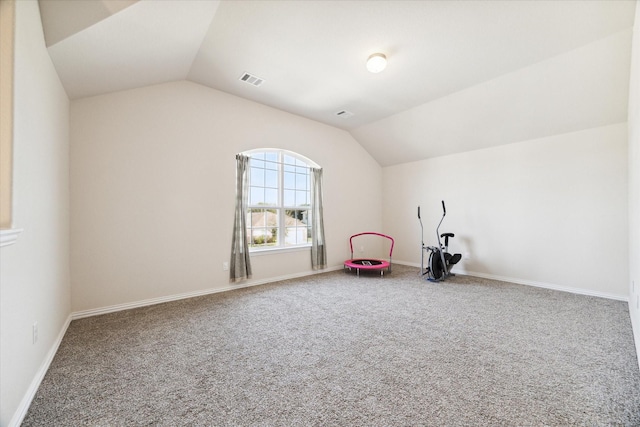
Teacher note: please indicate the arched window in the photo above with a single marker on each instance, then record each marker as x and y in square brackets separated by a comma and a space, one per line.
[279, 209]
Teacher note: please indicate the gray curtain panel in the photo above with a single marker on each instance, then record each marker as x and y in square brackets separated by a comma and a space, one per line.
[318, 247]
[240, 261]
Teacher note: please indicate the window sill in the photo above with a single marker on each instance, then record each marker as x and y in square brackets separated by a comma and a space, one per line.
[9, 236]
[273, 251]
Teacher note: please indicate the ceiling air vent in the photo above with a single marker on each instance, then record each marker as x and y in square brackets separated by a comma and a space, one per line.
[251, 79]
[344, 114]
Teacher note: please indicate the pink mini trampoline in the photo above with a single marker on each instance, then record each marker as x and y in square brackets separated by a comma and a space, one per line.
[369, 264]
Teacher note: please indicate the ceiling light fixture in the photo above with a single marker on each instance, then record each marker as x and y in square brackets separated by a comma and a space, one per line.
[376, 62]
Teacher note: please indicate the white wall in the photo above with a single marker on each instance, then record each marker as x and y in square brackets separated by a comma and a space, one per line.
[152, 202]
[550, 212]
[634, 183]
[34, 272]
[153, 190]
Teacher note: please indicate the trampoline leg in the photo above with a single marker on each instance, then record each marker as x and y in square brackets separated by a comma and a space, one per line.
[358, 272]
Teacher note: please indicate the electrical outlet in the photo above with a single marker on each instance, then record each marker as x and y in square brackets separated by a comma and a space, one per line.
[35, 332]
[225, 266]
[361, 249]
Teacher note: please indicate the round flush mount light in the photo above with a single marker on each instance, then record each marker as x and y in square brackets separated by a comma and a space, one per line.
[376, 62]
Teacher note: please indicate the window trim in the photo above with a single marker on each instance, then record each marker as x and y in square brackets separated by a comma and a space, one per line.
[307, 160]
[281, 218]
[279, 249]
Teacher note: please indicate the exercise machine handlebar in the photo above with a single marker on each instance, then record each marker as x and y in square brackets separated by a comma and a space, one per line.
[446, 262]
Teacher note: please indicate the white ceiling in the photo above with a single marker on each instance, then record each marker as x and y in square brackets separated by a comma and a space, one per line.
[454, 80]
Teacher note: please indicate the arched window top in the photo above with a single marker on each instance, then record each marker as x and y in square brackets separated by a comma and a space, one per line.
[285, 154]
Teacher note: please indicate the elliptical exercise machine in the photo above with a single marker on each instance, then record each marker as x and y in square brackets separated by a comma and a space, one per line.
[440, 260]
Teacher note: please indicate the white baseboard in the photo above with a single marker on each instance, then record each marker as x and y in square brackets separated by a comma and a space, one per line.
[635, 327]
[169, 298]
[23, 407]
[634, 314]
[554, 287]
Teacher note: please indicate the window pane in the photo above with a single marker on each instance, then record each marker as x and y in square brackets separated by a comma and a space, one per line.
[263, 227]
[301, 198]
[296, 232]
[264, 237]
[271, 217]
[289, 180]
[271, 196]
[289, 198]
[271, 179]
[257, 176]
[292, 236]
[271, 166]
[272, 156]
[256, 218]
[256, 196]
[301, 181]
[302, 216]
[255, 163]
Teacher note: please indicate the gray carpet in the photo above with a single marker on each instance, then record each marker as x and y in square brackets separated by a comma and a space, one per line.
[336, 350]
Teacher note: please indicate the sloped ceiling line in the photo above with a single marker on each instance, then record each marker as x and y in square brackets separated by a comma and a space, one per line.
[438, 94]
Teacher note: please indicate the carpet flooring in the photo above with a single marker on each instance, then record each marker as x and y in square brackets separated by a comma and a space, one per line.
[337, 350]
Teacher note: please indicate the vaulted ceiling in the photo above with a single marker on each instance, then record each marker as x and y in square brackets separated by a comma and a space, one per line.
[461, 75]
